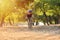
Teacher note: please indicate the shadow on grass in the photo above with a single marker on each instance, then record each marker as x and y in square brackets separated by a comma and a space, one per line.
[43, 29]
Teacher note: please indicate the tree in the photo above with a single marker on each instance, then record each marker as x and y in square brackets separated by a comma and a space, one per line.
[6, 8]
[45, 7]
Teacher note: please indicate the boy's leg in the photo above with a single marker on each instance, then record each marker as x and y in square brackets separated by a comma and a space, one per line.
[29, 23]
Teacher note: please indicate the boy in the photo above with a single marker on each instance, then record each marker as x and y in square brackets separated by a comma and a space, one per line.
[29, 17]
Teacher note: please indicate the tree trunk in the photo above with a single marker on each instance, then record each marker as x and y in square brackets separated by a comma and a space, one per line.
[50, 19]
[10, 21]
[56, 19]
[2, 21]
[59, 21]
[37, 22]
[46, 18]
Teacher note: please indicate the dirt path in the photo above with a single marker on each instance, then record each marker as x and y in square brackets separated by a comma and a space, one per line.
[19, 34]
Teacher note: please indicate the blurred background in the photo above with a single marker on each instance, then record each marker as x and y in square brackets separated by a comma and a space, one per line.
[45, 12]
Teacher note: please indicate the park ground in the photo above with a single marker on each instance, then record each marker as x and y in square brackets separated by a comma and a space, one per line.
[36, 33]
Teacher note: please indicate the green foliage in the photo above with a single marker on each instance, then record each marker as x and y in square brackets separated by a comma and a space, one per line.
[47, 7]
